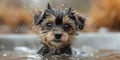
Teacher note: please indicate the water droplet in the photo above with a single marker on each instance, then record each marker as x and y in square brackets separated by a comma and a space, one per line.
[4, 54]
[46, 59]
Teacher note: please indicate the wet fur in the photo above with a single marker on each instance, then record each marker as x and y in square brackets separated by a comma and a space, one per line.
[46, 50]
[59, 19]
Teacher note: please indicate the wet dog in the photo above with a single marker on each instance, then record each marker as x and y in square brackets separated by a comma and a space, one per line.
[58, 28]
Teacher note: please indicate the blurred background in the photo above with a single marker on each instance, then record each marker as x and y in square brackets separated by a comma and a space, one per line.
[16, 16]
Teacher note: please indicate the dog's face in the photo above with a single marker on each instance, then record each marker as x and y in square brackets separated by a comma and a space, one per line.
[58, 27]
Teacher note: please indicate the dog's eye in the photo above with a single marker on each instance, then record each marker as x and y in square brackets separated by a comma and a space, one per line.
[49, 25]
[66, 26]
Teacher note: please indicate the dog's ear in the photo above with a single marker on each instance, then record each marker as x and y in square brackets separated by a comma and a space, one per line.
[68, 10]
[39, 16]
[80, 22]
[49, 6]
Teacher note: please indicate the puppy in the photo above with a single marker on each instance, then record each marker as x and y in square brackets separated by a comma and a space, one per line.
[57, 28]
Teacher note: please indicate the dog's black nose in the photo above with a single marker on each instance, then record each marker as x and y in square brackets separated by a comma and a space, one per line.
[58, 36]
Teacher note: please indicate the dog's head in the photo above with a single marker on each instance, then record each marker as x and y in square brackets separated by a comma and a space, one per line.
[58, 27]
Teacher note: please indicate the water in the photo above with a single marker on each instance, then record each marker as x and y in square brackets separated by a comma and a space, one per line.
[99, 55]
[88, 46]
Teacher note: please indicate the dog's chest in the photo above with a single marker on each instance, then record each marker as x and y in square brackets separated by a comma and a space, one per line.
[47, 51]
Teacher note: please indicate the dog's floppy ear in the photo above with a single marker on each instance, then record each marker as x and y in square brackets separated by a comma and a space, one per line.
[39, 16]
[81, 22]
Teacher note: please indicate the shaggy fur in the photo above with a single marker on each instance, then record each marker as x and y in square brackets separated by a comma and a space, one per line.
[57, 28]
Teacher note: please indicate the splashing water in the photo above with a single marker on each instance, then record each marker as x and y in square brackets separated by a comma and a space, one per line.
[24, 48]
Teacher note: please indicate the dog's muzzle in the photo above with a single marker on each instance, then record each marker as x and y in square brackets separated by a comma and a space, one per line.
[58, 37]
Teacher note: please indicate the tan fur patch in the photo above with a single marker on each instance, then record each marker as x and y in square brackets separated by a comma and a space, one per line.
[67, 20]
[50, 18]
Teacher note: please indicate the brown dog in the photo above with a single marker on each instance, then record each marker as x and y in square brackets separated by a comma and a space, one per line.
[57, 28]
